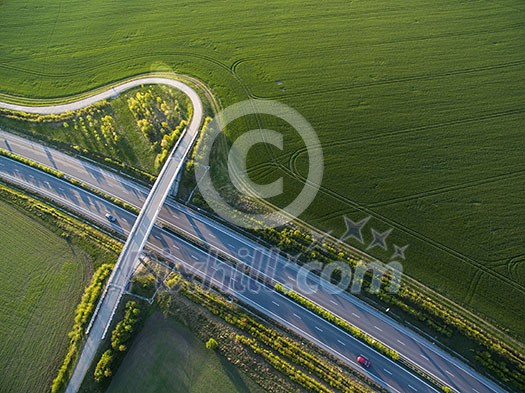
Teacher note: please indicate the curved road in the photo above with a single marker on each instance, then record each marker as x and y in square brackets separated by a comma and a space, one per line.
[226, 241]
[142, 226]
[111, 92]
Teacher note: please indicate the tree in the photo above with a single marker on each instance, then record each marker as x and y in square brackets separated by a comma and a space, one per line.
[212, 344]
[103, 369]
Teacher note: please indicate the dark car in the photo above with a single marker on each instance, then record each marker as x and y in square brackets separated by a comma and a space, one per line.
[363, 361]
[110, 218]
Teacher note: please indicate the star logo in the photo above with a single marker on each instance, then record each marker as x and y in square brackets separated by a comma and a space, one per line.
[399, 252]
[379, 239]
[353, 229]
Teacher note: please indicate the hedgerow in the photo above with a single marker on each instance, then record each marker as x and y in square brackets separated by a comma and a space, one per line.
[120, 339]
[83, 314]
[267, 336]
[510, 367]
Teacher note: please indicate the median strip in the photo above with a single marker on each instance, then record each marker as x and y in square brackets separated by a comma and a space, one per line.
[327, 315]
[355, 332]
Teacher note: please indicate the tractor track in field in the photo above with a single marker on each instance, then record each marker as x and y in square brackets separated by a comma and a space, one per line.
[514, 264]
[418, 235]
[114, 62]
[335, 214]
[473, 286]
[442, 190]
[405, 131]
[393, 81]
[333, 48]
[510, 264]
[235, 65]
[411, 130]
[265, 170]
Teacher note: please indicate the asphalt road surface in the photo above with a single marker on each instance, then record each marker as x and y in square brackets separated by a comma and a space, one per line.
[198, 261]
[141, 229]
[225, 240]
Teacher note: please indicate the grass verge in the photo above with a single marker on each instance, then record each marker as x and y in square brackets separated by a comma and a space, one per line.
[48, 258]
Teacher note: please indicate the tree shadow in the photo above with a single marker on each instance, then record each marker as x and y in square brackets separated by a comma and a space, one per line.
[235, 375]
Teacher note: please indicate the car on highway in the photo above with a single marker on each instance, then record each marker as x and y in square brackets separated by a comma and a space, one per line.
[363, 361]
[110, 218]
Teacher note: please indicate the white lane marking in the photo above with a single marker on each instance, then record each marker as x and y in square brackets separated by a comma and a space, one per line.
[449, 373]
[355, 315]
[386, 371]
[277, 304]
[423, 356]
[475, 390]
[342, 343]
[194, 257]
[400, 342]
[297, 316]
[212, 235]
[176, 247]
[231, 245]
[413, 388]
[318, 328]
[390, 386]
[331, 301]
[378, 328]
[290, 278]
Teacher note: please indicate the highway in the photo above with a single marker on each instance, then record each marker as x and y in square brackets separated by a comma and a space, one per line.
[141, 229]
[281, 309]
[225, 240]
[143, 224]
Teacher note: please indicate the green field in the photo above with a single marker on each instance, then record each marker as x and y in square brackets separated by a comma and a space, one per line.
[41, 281]
[166, 356]
[418, 105]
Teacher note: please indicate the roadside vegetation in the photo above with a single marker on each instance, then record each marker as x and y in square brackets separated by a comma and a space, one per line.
[228, 349]
[133, 132]
[48, 258]
[418, 108]
[301, 363]
[475, 343]
[120, 338]
[397, 101]
[84, 312]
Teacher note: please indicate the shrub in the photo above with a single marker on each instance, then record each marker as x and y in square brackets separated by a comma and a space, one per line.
[212, 344]
[103, 368]
[125, 328]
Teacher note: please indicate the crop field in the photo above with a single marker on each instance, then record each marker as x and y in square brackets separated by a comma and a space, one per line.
[166, 354]
[418, 105]
[40, 274]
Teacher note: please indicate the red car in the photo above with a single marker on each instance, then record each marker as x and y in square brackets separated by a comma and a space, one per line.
[363, 361]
